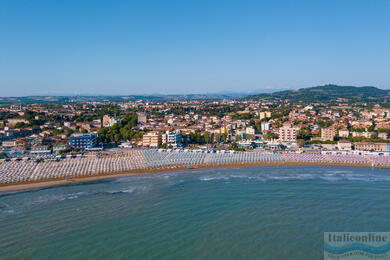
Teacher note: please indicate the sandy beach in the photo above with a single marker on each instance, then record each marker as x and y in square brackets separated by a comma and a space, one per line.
[75, 180]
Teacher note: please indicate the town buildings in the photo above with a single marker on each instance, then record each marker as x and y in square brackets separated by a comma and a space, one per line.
[216, 124]
[172, 138]
[152, 139]
[328, 134]
[266, 114]
[83, 140]
[109, 121]
[344, 145]
[265, 126]
[371, 146]
[344, 133]
[287, 134]
[142, 118]
[250, 130]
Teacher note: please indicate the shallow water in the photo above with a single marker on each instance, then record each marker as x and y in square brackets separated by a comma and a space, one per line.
[277, 212]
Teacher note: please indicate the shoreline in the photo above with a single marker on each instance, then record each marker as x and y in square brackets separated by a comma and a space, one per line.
[24, 186]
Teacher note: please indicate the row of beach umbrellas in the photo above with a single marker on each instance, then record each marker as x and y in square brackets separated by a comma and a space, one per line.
[143, 160]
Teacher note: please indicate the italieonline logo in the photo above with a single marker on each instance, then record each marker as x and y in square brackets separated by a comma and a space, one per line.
[357, 245]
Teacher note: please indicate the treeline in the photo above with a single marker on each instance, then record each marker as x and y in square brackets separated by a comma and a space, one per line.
[122, 131]
[198, 138]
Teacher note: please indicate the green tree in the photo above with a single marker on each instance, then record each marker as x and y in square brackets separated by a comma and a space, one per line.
[57, 131]
[301, 142]
[207, 138]
[304, 133]
[69, 131]
[224, 137]
[269, 136]
[20, 125]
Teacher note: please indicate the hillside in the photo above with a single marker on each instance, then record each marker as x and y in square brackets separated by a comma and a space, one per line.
[328, 93]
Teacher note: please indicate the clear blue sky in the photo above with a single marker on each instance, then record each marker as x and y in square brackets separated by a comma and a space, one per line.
[134, 47]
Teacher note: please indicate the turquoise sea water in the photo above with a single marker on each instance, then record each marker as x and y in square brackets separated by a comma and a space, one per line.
[232, 213]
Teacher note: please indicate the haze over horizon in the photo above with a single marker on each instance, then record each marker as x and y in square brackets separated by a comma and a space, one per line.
[220, 93]
[194, 47]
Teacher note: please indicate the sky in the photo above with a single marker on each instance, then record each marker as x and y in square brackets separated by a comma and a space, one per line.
[75, 47]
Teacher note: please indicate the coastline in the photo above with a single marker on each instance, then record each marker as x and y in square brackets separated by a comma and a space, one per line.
[24, 186]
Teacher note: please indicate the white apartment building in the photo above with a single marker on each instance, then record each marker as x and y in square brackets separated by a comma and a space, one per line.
[172, 138]
[287, 134]
[265, 126]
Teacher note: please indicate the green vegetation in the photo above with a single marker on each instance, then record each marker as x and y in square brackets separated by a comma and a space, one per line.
[329, 93]
[198, 138]
[122, 131]
[269, 136]
[322, 142]
[304, 133]
[57, 131]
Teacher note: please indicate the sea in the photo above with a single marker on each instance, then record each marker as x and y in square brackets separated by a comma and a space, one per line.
[269, 212]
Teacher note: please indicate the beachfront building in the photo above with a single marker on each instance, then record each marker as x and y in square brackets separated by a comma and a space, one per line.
[40, 150]
[329, 147]
[370, 146]
[152, 139]
[344, 145]
[81, 140]
[287, 134]
[172, 138]
[59, 147]
[9, 144]
[328, 134]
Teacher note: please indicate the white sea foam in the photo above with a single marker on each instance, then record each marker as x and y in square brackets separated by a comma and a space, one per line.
[132, 189]
[339, 172]
[212, 178]
[50, 198]
[330, 176]
[128, 190]
[59, 197]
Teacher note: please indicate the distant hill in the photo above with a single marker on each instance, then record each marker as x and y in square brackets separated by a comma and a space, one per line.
[328, 93]
[325, 93]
